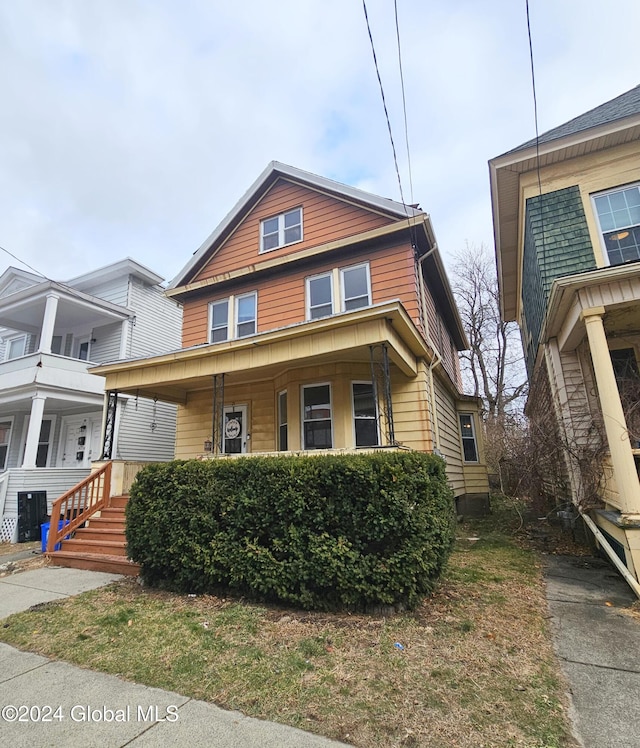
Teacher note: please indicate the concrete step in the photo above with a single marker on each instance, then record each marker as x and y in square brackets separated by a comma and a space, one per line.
[95, 562]
[96, 547]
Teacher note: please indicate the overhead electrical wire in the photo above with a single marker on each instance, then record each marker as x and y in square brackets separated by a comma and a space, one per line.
[384, 102]
[404, 101]
[26, 264]
[535, 117]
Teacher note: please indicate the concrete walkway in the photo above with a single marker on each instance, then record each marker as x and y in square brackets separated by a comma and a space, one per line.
[599, 649]
[45, 703]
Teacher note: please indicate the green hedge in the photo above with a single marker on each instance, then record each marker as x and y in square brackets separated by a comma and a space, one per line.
[326, 531]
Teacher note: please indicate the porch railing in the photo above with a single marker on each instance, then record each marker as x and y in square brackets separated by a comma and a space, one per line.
[78, 504]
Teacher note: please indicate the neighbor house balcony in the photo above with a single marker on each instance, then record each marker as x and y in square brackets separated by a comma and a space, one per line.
[19, 377]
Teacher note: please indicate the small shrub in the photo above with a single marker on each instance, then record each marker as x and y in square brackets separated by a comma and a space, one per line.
[319, 532]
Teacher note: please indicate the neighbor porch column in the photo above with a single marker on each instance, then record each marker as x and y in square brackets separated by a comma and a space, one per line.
[48, 322]
[615, 425]
[33, 434]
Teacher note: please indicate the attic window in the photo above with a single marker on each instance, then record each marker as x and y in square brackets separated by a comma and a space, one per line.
[281, 230]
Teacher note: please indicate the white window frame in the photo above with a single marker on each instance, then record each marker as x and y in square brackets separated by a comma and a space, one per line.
[211, 305]
[338, 296]
[308, 281]
[281, 229]
[232, 317]
[14, 339]
[236, 321]
[601, 232]
[10, 420]
[469, 438]
[283, 394]
[375, 418]
[50, 443]
[303, 421]
[343, 298]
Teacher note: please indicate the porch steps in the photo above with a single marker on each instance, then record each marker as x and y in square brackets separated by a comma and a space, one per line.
[101, 545]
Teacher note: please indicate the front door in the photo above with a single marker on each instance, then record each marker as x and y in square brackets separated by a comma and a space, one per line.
[81, 442]
[235, 430]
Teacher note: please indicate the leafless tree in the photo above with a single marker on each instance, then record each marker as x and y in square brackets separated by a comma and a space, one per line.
[493, 365]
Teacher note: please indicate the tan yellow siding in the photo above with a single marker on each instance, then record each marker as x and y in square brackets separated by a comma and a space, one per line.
[409, 398]
[324, 219]
[449, 432]
[411, 412]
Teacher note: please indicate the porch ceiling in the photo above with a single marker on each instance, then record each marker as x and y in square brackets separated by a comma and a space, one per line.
[616, 289]
[24, 310]
[343, 338]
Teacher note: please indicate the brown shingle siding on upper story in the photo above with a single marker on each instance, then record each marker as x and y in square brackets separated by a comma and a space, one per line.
[281, 296]
[324, 219]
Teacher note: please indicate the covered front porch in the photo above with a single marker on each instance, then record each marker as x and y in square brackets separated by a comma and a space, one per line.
[355, 380]
[591, 355]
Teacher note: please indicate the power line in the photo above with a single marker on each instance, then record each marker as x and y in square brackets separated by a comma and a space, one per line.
[404, 101]
[384, 103]
[535, 117]
[26, 264]
[535, 98]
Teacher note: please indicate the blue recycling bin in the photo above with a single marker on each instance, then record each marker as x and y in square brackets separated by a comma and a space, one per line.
[44, 534]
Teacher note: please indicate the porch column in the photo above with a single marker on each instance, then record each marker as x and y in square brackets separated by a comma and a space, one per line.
[615, 425]
[124, 338]
[33, 434]
[48, 322]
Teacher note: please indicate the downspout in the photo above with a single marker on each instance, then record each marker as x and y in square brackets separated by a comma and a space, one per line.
[437, 358]
[606, 546]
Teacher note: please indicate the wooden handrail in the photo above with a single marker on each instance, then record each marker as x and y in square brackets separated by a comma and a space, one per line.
[75, 506]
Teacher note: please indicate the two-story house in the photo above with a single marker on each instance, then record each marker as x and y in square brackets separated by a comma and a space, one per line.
[566, 214]
[51, 407]
[316, 317]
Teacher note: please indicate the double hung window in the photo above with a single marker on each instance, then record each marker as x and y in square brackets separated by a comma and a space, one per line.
[234, 317]
[278, 231]
[355, 286]
[338, 290]
[619, 218]
[319, 296]
[16, 347]
[317, 421]
[283, 430]
[468, 434]
[365, 415]
[5, 439]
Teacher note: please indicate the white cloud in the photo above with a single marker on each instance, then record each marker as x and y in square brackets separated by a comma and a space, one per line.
[131, 127]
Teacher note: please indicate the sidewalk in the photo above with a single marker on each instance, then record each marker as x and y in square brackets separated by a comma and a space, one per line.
[43, 702]
[599, 649]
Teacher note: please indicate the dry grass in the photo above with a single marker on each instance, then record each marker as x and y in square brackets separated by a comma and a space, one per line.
[8, 548]
[475, 667]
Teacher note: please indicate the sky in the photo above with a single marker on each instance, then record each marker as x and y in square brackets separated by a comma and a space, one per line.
[130, 128]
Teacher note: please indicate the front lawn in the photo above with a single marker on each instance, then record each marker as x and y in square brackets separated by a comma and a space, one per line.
[471, 666]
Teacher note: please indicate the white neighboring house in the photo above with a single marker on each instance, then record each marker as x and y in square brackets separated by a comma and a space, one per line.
[51, 407]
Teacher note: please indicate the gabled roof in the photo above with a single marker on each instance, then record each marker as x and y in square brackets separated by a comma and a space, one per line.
[625, 105]
[15, 279]
[116, 270]
[274, 171]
